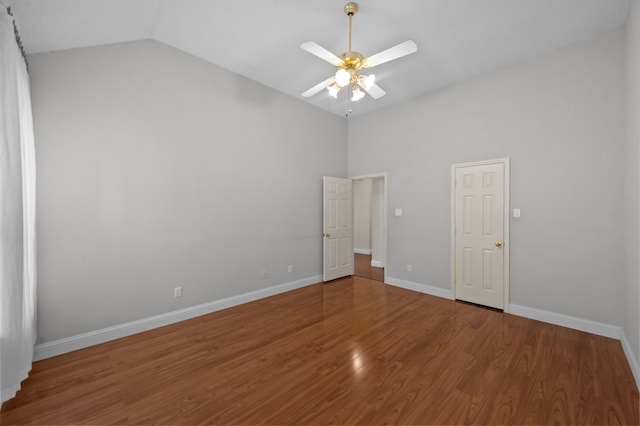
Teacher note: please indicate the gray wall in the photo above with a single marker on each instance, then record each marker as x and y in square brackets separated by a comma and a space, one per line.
[362, 214]
[632, 185]
[560, 118]
[157, 170]
[377, 222]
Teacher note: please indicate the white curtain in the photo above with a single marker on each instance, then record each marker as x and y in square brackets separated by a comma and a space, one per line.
[17, 215]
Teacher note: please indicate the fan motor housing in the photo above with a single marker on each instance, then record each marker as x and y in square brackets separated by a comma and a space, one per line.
[352, 60]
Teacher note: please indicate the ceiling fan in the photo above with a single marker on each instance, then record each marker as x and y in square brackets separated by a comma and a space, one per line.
[350, 64]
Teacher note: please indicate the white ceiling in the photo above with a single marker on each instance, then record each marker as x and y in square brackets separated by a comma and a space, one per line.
[457, 39]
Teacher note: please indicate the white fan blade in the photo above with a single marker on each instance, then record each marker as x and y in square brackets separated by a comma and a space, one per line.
[374, 91]
[395, 52]
[321, 52]
[318, 87]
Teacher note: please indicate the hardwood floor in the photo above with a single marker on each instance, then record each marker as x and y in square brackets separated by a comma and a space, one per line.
[354, 351]
[363, 268]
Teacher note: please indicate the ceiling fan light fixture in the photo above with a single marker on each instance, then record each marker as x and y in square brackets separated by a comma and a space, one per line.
[357, 94]
[368, 81]
[343, 77]
[333, 90]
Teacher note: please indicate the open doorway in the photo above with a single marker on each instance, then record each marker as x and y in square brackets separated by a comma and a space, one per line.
[369, 212]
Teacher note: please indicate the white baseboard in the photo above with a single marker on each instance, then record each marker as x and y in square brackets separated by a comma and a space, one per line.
[631, 357]
[362, 251]
[69, 344]
[421, 288]
[581, 324]
[377, 264]
[568, 321]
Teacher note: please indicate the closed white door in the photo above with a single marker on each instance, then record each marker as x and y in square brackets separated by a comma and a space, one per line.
[479, 234]
[337, 228]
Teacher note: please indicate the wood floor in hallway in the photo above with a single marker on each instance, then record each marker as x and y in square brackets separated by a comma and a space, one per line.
[363, 268]
[354, 351]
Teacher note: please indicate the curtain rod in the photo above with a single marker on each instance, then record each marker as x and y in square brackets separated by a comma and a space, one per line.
[18, 39]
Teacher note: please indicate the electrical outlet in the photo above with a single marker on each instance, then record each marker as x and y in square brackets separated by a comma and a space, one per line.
[290, 268]
[265, 274]
[177, 292]
[409, 268]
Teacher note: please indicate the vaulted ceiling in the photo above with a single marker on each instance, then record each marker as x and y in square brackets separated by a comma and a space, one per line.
[260, 39]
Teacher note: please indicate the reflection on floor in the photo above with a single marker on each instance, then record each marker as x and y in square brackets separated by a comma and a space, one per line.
[364, 269]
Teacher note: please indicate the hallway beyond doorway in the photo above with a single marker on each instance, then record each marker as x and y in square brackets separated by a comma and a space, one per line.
[363, 268]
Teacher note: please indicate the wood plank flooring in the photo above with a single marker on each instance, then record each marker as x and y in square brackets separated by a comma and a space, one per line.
[354, 351]
[363, 268]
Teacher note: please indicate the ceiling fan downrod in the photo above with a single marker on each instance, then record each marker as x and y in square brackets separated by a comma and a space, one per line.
[350, 9]
[351, 61]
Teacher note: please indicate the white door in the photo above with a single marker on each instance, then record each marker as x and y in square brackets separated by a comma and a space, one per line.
[479, 233]
[337, 228]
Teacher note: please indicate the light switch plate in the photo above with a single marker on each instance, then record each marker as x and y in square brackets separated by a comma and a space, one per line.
[516, 212]
[398, 212]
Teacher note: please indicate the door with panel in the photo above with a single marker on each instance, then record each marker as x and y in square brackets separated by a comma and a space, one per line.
[337, 230]
[479, 233]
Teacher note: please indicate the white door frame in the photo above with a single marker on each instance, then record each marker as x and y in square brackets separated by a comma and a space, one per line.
[384, 218]
[507, 217]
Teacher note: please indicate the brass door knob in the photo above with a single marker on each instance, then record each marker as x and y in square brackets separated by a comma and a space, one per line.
[498, 243]
[328, 235]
